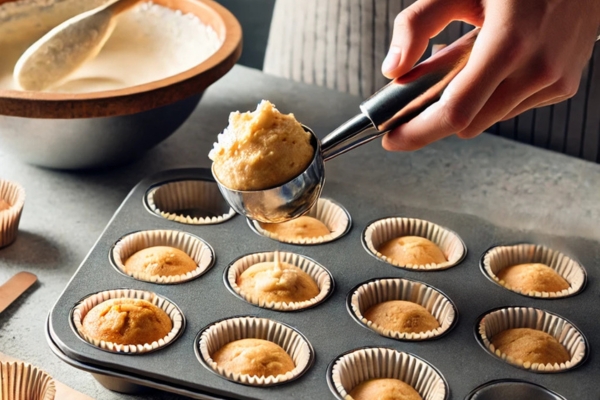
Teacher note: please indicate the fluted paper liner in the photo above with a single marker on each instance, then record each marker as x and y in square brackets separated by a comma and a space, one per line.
[386, 229]
[14, 195]
[500, 257]
[193, 246]
[237, 328]
[380, 290]
[85, 305]
[357, 366]
[527, 317]
[172, 200]
[23, 381]
[318, 273]
[333, 215]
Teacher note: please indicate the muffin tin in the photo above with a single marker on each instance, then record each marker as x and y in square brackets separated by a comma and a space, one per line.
[328, 326]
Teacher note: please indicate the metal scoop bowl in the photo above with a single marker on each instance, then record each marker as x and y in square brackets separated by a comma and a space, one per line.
[394, 104]
[282, 203]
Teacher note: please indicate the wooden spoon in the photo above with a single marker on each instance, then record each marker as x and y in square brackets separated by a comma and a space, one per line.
[14, 287]
[66, 47]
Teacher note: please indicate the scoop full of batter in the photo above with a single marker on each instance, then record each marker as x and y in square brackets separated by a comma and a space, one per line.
[261, 149]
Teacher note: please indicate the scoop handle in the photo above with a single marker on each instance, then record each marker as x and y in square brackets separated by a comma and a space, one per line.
[402, 99]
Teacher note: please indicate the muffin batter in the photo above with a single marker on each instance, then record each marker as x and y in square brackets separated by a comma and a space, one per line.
[533, 278]
[300, 228]
[261, 149]
[412, 250]
[127, 321]
[530, 346]
[160, 261]
[384, 389]
[150, 42]
[402, 316]
[254, 357]
[277, 282]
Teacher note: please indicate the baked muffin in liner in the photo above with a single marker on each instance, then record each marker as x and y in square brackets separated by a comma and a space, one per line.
[500, 257]
[194, 202]
[356, 366]
[564, 331]
[332, 214]
[218, 334]
[23, 381]
[376, 291]
[317, 272]
[383, 230]
[81, 309]
[200, 251]
[13, 194]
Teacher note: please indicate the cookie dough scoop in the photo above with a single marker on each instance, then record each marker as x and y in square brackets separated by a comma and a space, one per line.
[394, 104]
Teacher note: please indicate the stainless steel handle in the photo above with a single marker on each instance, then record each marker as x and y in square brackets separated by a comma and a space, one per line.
[402, 99]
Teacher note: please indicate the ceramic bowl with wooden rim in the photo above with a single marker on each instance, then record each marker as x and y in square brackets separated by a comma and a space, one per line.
[89, 120]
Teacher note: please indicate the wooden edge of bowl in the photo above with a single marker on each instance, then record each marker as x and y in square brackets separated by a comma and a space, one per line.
[143, 97]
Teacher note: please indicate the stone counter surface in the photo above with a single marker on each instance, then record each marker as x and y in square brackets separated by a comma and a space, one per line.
[504, 182]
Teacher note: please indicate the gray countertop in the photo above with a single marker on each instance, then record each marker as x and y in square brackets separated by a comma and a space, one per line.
[504, 182]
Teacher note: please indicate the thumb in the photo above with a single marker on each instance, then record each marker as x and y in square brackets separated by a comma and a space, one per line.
[413, 28]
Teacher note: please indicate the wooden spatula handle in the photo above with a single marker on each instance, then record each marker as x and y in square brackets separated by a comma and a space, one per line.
[14, 287]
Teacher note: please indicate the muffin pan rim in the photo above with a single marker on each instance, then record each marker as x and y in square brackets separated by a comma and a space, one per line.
[193, 278]
[344, 233]
[332, 363]
[497, 283]
[209, 179]
[479, 341]
[128, 353]
[455, 264]
[203, 362]
[495, 382]
[356, 319]
[239, 296]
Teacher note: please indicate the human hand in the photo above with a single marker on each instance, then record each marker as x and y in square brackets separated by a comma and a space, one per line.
[528, 54]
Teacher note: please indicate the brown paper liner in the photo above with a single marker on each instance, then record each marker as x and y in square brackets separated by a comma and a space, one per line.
[13, 194]
[380, 290]
[86, 304]
[500, 257]
[386, 229]
[332, 214]
[357, 366]
[172, 200]
[23, 381]
[196, 248]
[527, 317]
[317, 272]
[220, 333]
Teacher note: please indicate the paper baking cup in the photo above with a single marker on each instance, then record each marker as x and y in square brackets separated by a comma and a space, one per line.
[194, 202]
[317, 272]
[86, 304]
[352, 368]
[513, 389]
[217, 335]
[23, 381]
[14, 195]
[564, 331]
[200, 251]
[332, 214]
[500, 257]
[382, 230]
[376, 291]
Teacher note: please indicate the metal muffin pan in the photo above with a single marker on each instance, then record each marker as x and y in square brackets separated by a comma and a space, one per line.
[328, 326]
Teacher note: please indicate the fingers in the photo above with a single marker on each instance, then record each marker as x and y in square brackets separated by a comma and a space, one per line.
[413, 28]
[464, 97]
[551, 95]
